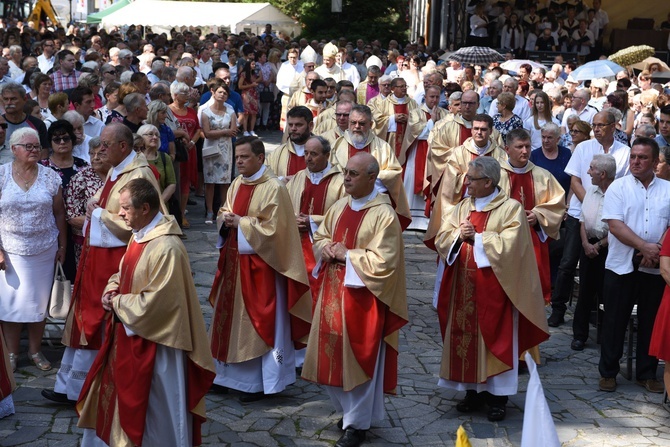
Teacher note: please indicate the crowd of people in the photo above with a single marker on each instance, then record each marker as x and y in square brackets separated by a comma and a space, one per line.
[516, 177]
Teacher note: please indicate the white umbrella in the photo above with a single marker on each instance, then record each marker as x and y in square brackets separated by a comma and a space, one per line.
[601, 68]
[515, 64]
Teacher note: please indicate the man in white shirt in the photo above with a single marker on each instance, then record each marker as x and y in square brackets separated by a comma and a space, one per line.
[578, 166]
[205, 64]
[48, 57]
[521, 108]
[638, 213]
[580, 108]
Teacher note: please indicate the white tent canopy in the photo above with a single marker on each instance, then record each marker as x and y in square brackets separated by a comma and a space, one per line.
[235, 16]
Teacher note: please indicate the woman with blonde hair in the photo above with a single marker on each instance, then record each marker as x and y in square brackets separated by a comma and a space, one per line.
[541, 115]
[119, 112]
[506, 120]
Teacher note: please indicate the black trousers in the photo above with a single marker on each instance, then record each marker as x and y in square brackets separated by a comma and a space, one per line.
[591, 278]
[565, 279]
[621, 292]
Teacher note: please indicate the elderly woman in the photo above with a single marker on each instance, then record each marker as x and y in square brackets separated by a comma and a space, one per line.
[551, 156]
[541, 115]
[594, 247]
[126, 61]
[82, 186]
[160, 160]
[506, 120]
[187, 118]
[158, 112]
[219, 125]
[108, 74]
[80, 146]
[33, 232]
[663, 167]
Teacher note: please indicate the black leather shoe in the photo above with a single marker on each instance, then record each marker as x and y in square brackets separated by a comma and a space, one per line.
[351, 438]
[556, 319]
[577, 345]
[496, 414]
[252, 397]
[218, 389]
[473, 401]
[61, 398]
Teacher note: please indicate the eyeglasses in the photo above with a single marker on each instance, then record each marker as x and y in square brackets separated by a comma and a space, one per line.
[573, 131]
[30, 147]
[600, 126]
[107, 144]
[474, 179]
[60, 140]
[385, 85]
[341, 115]
[110, 72]
[358, 123]
[468, 103]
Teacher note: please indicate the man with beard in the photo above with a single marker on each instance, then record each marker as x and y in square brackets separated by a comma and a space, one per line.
[360, 138]
[289, 158]
[342, 112]
[362, 302]
[329, 68]
[414, 153]
[369, 88]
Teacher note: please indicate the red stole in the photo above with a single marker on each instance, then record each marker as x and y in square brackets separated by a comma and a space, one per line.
[522, 189]
[400, 127]
[296, 163]
[474, 301]
[419, 162]
[96, 266]
[308, 96]
[313, 201]
[367, 319]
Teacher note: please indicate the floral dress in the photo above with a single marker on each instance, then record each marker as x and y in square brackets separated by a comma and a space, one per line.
[506, 127]
[218, 169]
[83, 185]
[250, 99]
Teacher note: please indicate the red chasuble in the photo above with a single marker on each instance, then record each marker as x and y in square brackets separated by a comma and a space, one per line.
[296, 163]
[353, 151]
[259, 293]
[400, 127]
[474, 301]
[313, 201]
[368, 320]
[522, 189]
[96, 266]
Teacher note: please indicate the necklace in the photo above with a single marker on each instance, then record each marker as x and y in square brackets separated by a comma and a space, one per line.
[26, 183]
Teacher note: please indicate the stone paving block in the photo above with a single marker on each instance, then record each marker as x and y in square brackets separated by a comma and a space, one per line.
[260, 438]
[60, 425]
[24, 435]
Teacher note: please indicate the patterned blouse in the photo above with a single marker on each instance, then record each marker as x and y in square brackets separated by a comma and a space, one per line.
[506, 127]
[83, 185]
[66, 173]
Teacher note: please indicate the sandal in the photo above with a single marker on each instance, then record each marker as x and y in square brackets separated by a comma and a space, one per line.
[12, 361]
[40, 361]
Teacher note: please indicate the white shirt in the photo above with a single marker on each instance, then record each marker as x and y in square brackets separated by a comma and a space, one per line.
[205, 69]
[646, 211]
[580, 161]
[44, 63]
[536, 134]
[521, 108]
[592, 213]
[93, 127]
[315, 177]
[116, 171]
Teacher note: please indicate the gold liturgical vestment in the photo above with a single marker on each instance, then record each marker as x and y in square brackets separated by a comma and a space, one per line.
[350, 323]
[269, 226]
[475, 304]
[284, 161]
[325, 120]
[381, 117]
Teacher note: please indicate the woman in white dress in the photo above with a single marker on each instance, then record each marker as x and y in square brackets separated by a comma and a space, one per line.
[541, 116]
[219, 124]
[33, 234]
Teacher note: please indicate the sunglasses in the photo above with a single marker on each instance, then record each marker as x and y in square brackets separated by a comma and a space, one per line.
[59, 140]
[3, 125]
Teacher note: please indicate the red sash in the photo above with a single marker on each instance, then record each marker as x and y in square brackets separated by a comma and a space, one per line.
[367, 319]
[400, 127]
[522, 188]
[353, 151]
[313, 201]
[420, 162]
[96, 266]
[308, 96]
[296, 163]
[474, 301]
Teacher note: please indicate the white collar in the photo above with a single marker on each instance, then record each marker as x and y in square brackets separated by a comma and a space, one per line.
[257, 175]
[357, 204]
[481, 202]
[315, 177]
[482, 150]
[517, 170]
[400, 100]
[299, 149]
[116, 170]
[139, 235]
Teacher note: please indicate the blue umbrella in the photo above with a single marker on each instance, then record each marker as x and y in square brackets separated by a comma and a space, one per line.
[601, 68]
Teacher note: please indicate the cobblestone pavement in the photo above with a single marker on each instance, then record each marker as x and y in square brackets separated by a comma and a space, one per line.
[420, 415]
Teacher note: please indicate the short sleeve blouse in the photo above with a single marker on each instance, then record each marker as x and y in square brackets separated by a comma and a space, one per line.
[27, 221]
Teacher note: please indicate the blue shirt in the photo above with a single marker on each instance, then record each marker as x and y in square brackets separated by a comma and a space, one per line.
[167, 136]
[234, 100]
[555, 166]
[661, 141]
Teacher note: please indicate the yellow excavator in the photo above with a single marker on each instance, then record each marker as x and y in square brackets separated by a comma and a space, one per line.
[42, 10]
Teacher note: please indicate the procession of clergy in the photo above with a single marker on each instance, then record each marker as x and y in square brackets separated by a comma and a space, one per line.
[311, 274]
